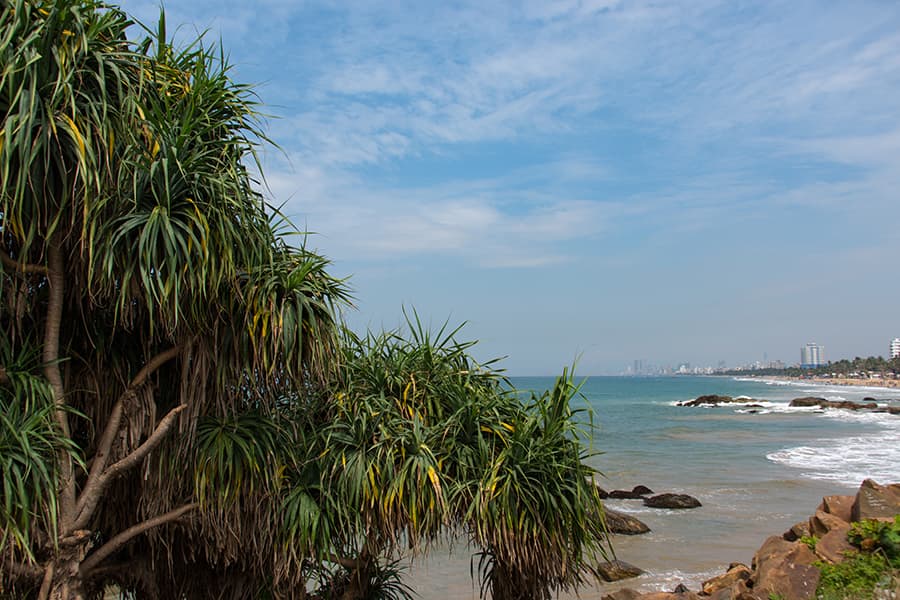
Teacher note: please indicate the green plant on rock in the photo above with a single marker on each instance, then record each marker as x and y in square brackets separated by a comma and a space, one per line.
[871, 535]
[809, 541]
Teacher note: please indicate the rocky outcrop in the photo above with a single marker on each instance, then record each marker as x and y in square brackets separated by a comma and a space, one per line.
[735, 574]
[617, 570]
[823, 403]
[713, 400]
[624, 495]
[623, 524]
[785, 569]
[672, 501]
[785, 566]
[641, 490]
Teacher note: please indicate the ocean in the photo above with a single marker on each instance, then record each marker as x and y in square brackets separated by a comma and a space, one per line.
[757, 471]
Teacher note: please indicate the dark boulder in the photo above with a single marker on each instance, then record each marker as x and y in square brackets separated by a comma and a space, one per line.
[807, 401]
[709, 400]
[623, 524]
[641, 490]
[823, 403]
[624, 495]
[672, 501]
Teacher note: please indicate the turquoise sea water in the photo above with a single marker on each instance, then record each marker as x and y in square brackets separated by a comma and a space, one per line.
[756, 470]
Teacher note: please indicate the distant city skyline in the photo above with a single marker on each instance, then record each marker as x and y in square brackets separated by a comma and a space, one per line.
[695, 180]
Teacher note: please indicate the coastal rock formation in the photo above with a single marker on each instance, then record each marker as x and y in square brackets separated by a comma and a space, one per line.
[785, 566]
[832, 546]
[625, 495]
[785, 569]
[709, 400]
[823, 403]
[672, 501]
[617, 570]
[876, 501]
[726, 581]
[623, 524]
[636, 493]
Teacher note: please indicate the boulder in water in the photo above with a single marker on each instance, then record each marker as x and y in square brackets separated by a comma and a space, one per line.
[672, 501]
[617, 570]
[623, 524]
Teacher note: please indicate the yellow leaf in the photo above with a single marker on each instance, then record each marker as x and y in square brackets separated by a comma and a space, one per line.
[75, 133]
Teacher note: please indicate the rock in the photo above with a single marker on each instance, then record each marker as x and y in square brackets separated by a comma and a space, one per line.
[822, 522]
[797, 531]
[738, 591]
[833, 545]
[807, 401]
[623, 594]
[672, 501]
[823, 403]
[680, 589]
[710, 400]
[670, 596]
[839, 506]
[785, 568]
[727, 580]
[875, 501]
[617, 570]
[602, 493]
[641, 490]
[621, 523]
[624, 495]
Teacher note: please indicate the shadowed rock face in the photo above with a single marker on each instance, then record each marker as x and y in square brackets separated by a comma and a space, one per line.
[672, 501]
[823, 403]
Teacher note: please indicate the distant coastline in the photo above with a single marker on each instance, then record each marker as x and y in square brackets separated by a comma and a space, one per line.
[843, 381]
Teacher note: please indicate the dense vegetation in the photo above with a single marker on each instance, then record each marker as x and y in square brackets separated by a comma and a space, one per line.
[182, 414]
[842, 368]
[872, 572]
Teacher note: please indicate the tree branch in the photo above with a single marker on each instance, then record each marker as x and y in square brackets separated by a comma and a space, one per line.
[149, 444]
[92, 492]
[114, 544]
[93, 487]
[18, 267]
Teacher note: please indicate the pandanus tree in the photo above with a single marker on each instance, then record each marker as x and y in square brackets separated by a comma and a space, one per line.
[146, 291]
[181, 414]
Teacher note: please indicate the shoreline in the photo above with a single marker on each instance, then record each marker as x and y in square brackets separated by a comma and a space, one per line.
[887, 384]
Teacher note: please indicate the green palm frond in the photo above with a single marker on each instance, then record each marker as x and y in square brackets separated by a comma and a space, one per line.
[30, 441]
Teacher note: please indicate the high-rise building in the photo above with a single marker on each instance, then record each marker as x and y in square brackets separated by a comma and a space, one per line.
[812, 355]
[895, 348]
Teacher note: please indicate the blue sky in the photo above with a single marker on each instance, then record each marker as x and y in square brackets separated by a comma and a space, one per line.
[667, 181]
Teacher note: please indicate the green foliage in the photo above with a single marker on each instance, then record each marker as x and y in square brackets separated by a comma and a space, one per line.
[857, 577]
[810, 541]
[872, 535]
[151, 308]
